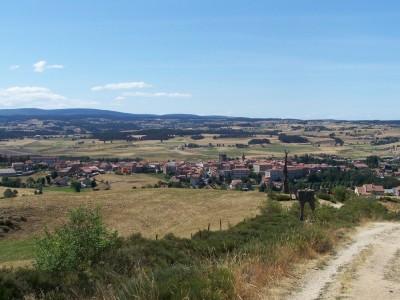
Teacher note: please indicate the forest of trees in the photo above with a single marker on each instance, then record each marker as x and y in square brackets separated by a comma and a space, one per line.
[259, 141]
[352, 178]
[284, 138]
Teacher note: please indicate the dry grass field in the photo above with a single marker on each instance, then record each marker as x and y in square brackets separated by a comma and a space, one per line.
[21, 192]
[121, 182]
[148, 211]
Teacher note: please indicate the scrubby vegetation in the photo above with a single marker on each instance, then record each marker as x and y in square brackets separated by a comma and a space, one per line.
[224, 264]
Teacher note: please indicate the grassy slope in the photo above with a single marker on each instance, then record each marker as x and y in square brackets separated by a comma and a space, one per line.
[149, 211]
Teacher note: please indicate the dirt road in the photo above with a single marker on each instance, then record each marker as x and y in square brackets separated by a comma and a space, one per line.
[367, 268]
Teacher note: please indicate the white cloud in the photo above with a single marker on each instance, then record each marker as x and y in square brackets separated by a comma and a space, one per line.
[157, 95]
[41, 66]
[37, 97]
[119, 98]
[121, 86]
[14, 67]
[55, 67]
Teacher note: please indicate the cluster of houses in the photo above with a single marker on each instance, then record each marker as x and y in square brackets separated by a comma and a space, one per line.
[378, 190]
[195, 173]
[200, 173]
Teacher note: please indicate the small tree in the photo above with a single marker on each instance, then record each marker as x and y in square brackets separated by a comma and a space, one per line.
[76, 185]
[54, 174]
[77, 245]
[39, 189]
[93, 184]
[8, 193]
[30, 182]
[340, 193]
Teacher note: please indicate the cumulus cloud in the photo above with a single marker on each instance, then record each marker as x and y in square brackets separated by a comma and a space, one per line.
[121, 86]
[14, 67]
[39, 97]
[157, 95]
[41, 66]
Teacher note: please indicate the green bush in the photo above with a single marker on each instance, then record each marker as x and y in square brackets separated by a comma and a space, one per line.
[278, 197]
[271, 206]
[282, 197]
[323, 196]
[341, 193]
[77, 245]
[76, 185]
[358, 208]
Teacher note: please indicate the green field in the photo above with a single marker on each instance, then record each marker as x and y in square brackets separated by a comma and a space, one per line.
[14, 250]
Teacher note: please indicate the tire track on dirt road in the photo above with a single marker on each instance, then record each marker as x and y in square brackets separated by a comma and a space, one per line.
[368, 268]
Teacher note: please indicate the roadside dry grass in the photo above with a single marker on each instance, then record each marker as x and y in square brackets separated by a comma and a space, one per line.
[391, 206]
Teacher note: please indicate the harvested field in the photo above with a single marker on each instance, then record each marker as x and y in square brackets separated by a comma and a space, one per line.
[149, 211]
[120, 182]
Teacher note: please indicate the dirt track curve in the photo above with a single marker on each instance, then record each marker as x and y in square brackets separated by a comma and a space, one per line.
[367, 268]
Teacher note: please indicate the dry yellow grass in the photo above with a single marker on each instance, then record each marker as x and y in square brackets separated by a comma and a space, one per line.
[21, 192]
[391, 206]
[149, 211]
[119, 182]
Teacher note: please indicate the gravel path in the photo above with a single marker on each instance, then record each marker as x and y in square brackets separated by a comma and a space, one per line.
[368, 268]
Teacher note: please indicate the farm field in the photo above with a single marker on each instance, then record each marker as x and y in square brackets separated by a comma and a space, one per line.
[357, 144]
[121, 182]
[148, 211]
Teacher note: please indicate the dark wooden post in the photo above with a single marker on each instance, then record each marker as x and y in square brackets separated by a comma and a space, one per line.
[304, 196]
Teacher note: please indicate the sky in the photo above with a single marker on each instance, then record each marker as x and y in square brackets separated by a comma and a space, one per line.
[308, 59]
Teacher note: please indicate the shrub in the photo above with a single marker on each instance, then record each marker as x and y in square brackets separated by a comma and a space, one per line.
[8, 193]
[271, 206]
[282, 197]
[76, 185]
[323, 196]
[279, 197]
[341, 193]
[77, 245]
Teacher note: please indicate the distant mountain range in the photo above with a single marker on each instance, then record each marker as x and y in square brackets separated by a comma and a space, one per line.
[98, 113]
[85, 113]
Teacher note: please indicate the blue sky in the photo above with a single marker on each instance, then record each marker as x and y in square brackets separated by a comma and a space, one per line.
[299, 59]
